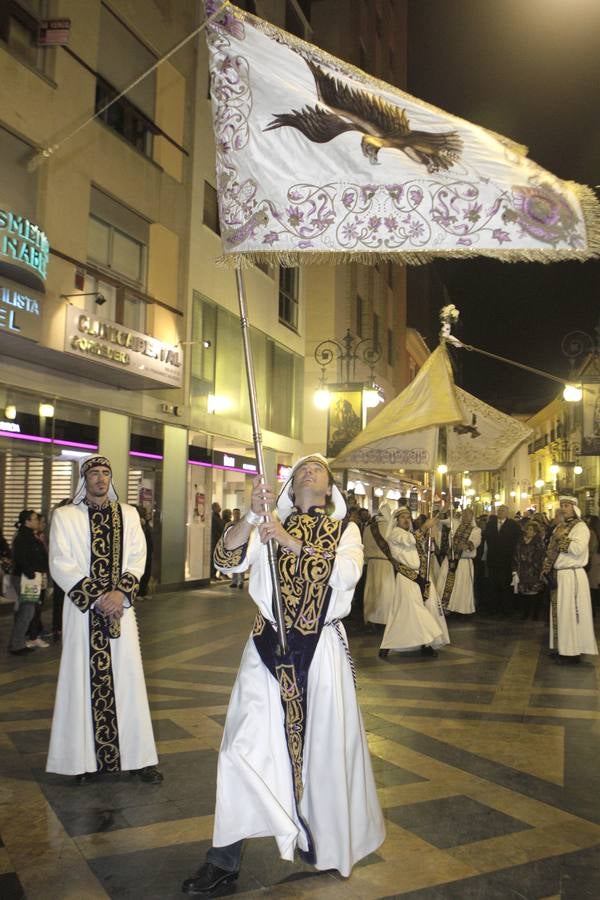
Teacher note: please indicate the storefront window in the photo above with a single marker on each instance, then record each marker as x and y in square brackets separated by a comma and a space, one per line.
[219, 375]
[39, 456]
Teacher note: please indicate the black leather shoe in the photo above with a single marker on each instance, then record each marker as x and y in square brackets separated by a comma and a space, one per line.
[85, 777]
[383, 654]
[207, 879]
[149, 775]
[24, 651]
[429, 651]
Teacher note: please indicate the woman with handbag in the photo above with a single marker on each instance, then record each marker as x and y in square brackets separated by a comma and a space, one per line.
[30, 568]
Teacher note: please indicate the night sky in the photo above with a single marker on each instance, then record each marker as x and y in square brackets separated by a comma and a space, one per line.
[528, 69]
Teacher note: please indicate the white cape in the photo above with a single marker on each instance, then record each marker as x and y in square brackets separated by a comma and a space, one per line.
[72, 747]
[379, 585]
[411, 623]
[462, 598]
[255, 796]
[575, 619]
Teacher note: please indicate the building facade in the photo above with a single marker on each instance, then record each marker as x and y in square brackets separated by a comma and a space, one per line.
[93, 254]
[118, 332]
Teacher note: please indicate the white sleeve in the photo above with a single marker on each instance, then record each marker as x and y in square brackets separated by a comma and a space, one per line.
[475, 537]
[348, 564]
[63, 565]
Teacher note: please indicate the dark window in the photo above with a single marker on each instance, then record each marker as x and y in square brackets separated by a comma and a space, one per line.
[19, 29]
[266, 268]
[359, 315]
[375, 335]
[363, 57]
[390, 347]
[378, 24]
[293, 21]
[124, 118]
[117, 238]
[288, 297]
[247, 5]
[390, 274]
[211, 209]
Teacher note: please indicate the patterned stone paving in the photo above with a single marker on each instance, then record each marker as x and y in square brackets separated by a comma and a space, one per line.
[486, 762]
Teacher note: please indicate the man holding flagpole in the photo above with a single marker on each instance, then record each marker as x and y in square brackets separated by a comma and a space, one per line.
[294, 762]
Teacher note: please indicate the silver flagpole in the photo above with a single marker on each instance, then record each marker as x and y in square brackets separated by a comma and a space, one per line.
[258, 449]
[429, 538]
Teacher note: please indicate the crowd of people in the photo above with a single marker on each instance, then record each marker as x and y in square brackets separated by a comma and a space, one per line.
[421, 571]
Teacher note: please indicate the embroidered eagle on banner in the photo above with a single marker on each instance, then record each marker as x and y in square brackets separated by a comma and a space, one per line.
[382, 124]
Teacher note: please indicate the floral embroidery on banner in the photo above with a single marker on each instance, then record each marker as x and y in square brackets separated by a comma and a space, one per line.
[422, 213]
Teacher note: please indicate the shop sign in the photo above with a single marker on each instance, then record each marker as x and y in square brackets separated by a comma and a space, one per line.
[20, 311]
[54, 32]
[24, 249]
[283, 472]
[10, 426]
[239, 463]
[113, 345]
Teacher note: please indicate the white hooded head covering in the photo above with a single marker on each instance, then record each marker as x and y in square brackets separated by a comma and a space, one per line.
[85, 464]
[385, 519]
[285, 504]
[569, 499]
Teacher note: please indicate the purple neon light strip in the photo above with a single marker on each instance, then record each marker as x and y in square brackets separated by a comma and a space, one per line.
[75, 444]
[194, 462]
[18, 436]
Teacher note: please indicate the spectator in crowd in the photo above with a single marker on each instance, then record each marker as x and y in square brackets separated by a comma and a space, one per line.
[147, 529]
[58, 595]
[5, 569]
[237, 579]
[501, 536]
[593, 523]
[30, 567]
[216, 530]
[35, 632]
[528, 560]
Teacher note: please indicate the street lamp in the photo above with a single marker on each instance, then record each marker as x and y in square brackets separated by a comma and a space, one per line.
[348, 352]
[572, 393]
[442, 469]
[578, 470]
[540, 483]
[321, 398]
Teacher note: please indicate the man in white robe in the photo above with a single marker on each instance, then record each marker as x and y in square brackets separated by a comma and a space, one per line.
[294, 762]
[97, 553]
[379, 586]
[571, 619]
[455, 584]
[416, 619]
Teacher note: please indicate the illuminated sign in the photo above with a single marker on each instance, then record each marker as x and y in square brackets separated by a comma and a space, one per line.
[54, 32]
[24, 249]
[20, 311]
[283, 472]
[242, 464]
[10, 426]
[114, 345]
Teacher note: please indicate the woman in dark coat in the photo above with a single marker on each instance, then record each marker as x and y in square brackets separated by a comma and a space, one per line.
[29, 557]
[528, 560]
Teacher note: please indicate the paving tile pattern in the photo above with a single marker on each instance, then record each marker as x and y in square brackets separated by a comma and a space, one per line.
[485, 759]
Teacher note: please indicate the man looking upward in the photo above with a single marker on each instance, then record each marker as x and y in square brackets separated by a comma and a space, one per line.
[294, 762]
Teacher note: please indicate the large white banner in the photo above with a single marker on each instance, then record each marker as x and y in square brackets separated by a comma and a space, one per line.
[314, 158]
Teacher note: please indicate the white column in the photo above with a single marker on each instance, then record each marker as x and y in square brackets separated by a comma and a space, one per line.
[114, 444]
[174, 505]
